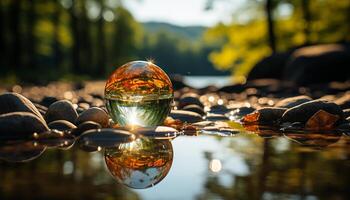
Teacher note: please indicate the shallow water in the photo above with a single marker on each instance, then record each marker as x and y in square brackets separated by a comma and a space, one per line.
[241, 166]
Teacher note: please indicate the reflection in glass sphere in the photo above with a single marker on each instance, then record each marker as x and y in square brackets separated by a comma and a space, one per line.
[140, 164]
[139, 93]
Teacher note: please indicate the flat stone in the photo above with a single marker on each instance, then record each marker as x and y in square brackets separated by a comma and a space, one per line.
[94, 114]
[188, 99]
[61, 125]
[303, 112]
[216, 117]
[105, 138]
[194, 108]
[159, 132]
[292, 101]
[185, 116]
[219, 109]
[20, 125]
[85, 126]
[13, 102]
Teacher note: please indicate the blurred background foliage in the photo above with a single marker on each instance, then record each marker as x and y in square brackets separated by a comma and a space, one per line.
[43, 41]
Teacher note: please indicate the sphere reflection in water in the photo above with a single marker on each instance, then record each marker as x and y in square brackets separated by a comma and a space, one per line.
[140, 164]
[139, 93]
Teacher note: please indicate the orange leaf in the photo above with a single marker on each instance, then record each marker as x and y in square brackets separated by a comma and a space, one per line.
[251, 118]
[321, 120]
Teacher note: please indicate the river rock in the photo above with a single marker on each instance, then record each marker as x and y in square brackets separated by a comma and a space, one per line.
[85, 126]
[194, 108]
[292, 101]
[20, 125]
[61, 110]
[94, 114]
[159, 132]
[188, 99]
[106, 137]
[269, 115]
[61, 125]
[303, 112]
[13, 102]
[344, 101]
[185, 116]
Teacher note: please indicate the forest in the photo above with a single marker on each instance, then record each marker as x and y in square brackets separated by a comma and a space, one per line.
[43, 41]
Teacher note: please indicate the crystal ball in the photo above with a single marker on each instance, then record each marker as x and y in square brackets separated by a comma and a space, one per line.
[140, 164]
[139, 93]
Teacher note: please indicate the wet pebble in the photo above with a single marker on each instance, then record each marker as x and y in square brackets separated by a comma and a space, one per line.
[293, 101]
[85, 126]
[219, 109]
[188, 99]
[159, 132]
[94, 114]
[194, 108]
[346, 113]
[55, 138]
[185, 116]
[240, 112]
[48, 100]
[61, 110]
[303, 112]
[105, 138]
[270, 115]
[61, 125]
[216, 117]
[20, 125]
[13, 102]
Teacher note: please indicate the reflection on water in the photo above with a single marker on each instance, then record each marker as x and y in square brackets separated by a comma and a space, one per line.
[260, 165]
[141, 163]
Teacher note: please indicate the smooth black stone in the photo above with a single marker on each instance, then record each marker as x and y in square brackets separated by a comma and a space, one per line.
[85, 126]
[94, 114]
[61, 125]
[13, 102]
[185, 116]
[61, 110]
[20, 125]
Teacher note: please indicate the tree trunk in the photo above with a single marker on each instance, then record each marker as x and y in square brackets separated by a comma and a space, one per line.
[270, 25]
[85, 48]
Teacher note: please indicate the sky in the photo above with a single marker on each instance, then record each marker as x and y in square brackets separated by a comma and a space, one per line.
[182, 12]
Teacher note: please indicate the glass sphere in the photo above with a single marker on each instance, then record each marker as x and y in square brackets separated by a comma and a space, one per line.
[139, 93]
[140, 164]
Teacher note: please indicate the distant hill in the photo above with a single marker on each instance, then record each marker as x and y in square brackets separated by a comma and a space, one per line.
[190, 32]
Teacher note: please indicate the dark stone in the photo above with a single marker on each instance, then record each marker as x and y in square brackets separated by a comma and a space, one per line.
[61, 110]
[236, 88]
[106, 137]
[292, 101]
[270, 115]
[94, 114]
[159, 132]
[188, 99]
[303, 112]
[185, 116]
[61, 125]
[219, 109]
[318, 64]
[346, 113]
[48, 100]
[85, 126]
[20, 125]
[270, 67]
[216, 117]
[194, 108]
[13, 102]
